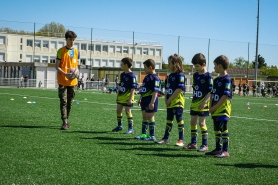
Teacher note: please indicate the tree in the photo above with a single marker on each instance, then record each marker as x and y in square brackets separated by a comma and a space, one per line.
[52, 29]
[261, 62]
[9, 30]
[269, 71]
[240, 62]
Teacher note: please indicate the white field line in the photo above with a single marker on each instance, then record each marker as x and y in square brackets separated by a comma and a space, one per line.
[135, 109]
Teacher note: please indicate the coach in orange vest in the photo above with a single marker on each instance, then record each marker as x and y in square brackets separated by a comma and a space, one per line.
[67, 58]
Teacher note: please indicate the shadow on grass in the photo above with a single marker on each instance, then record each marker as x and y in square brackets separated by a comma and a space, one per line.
[108, 138]
[127, 144]
[89, 132]
[151, 149]
[172, 155]
[30, 126]
[249, 165]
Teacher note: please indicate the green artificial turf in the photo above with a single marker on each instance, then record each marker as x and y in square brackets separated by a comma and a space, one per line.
[35, 151]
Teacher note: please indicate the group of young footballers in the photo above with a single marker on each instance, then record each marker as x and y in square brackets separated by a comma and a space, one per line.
[209, 97]
[265, 91]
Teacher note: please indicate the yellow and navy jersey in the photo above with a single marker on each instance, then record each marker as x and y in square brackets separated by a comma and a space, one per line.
[202, 85]
[176, 81]
[254, 87]
[150, 84]
[221, 87]
[127, 82]
[244, 87]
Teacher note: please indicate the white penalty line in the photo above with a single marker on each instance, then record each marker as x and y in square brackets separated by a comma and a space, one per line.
[135, 109]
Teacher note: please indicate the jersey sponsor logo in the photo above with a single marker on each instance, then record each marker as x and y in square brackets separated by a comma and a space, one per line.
[198, 94]
[122, 89]
[173, 79]
[219, 84]
[215, 97]
[126, 79]
[202, 81]
[196, 87]
[169, 91]
[143, 89]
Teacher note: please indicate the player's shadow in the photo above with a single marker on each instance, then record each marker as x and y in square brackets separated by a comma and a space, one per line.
[249, 165]
[108, 138]
[30, 126]
[172, 155]
[125, 143]
[153, 149]
[90, 132]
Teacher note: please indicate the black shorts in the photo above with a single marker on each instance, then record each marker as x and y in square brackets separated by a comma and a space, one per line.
[200, 114]
[145, 101]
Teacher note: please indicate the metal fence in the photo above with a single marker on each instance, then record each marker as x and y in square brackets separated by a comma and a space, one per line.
[52, 84]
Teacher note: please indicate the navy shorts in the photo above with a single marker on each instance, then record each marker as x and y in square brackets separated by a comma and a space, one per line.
[197, 113]
[145, 101]
[176, 111]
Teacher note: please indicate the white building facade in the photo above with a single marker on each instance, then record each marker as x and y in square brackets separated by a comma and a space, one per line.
[39, 55]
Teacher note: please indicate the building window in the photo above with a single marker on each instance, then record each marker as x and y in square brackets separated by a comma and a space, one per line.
[111, 63]
[98, 47]
[29, 43]
[52, 60]
[36, 58]
[83, 46]
[105, 48]
[125, 50]
[20, 47]
[145, 51]
[2, 57]
[118, 63]
[139, 51]
[83, 61]
[157, 66]
[91, 47]
[76, 45]
[61, 44]
[151, 51]
[90, 62]
[53, 44]
[119, 49]
[45, 59]
[21, 40]
[111, 49]
[45, 44]
[158, 52]
[138, 65]
[37, 43]
[104, 63]
[97, 63]
[2, 40]
[28, 58]
[20, 56]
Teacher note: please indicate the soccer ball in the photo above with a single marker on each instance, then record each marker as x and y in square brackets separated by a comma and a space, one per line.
[74, 72]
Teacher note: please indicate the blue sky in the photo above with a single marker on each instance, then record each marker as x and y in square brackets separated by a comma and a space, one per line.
[229, 24]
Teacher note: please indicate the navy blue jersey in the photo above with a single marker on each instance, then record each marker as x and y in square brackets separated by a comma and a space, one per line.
[176, 81]
[222, 86]
[150, 84]
[202, 85]
[127, 82]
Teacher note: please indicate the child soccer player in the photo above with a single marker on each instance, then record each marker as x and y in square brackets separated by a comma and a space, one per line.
[174, 99]
[220, 107]
[202, 86]
[125, 95]
[254, 89]
[67, 58]
[149, 100]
